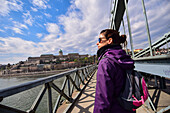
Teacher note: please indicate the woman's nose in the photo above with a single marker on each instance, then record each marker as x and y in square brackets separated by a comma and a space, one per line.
[97, 43]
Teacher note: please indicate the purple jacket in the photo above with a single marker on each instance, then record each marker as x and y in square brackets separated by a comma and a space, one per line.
[110, 80]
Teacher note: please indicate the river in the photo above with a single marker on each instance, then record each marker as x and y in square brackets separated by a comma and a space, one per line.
[24, 100]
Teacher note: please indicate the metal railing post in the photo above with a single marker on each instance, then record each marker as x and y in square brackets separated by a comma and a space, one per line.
[156, 83]
[38, 99]
[49, 99]
[167, 44]
[68, 86]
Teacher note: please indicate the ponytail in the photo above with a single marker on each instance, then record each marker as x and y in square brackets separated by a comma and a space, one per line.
[123, 40]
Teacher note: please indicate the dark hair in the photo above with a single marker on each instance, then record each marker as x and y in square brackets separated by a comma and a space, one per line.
[114, 34]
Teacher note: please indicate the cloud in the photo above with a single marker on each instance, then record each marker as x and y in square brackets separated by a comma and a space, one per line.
[2, 30]
[158, 22]
[47, 15]
[41, 4]
[39, 35]
[4, 9]
[28, 18]
[81, 29]
[78, 29]
[34, 9]
[17, 30]
[53, 30]
[82, 25]
[12, 58]
[17, 27]
[15, 5]
[7, 6]
[57, 10]
[15, 45]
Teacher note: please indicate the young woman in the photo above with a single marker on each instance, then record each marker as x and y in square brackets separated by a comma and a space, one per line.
[111, 75]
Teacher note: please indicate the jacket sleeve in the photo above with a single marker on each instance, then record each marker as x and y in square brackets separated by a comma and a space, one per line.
[104, 86]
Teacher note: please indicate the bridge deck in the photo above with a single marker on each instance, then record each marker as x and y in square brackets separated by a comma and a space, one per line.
[85, 103]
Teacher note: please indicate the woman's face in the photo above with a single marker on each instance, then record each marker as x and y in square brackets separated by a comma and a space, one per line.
[102, 41]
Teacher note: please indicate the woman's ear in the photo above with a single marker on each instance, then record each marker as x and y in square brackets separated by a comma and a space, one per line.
[110, 41]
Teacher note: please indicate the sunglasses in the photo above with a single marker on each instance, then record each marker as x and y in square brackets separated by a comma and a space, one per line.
[100, 39]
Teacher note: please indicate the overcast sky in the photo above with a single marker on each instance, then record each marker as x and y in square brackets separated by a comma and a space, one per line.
[35, 27]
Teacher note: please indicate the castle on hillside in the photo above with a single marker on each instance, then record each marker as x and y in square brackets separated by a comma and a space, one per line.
[47, 62]
[45, 58]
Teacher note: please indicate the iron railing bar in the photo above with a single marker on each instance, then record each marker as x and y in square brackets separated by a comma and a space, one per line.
[84, 74]
[163, 38]
[38, 99]
[80, 77]
[59, 98]
[81, 74]
[49, 98]
[68, 86]
[77, 80]
[154, 47]
[61, 92]
[74, 83]
[72, 89]
[64, 84]
[87, 72]
[57, 104]
[25, 86]
[73, 104]
[47, 83]
[7, 109]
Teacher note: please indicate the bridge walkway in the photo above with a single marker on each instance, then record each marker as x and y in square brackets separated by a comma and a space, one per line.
[85, 104]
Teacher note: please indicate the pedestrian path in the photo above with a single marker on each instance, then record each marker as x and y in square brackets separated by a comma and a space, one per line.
[85, 103]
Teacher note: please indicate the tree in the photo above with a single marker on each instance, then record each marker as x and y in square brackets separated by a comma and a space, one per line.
[75, 60]
[8, 66]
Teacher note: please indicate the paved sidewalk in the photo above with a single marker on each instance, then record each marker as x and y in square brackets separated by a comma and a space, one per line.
[85, 104]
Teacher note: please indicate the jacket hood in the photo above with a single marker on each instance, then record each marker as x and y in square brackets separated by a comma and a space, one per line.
[120, 55]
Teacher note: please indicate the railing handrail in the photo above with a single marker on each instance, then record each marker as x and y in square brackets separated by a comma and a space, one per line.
[73, 77]
[28, 85]
[162, 41]
[157, 57]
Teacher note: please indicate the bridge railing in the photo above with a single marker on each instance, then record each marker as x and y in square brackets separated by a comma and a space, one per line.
[73, 80]
[162, 41]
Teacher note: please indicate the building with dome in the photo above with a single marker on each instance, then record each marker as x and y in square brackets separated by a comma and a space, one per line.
[45, 58]
[46, 62]
[60, 52]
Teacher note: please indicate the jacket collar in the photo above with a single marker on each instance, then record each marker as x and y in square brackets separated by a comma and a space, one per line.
[105, 48]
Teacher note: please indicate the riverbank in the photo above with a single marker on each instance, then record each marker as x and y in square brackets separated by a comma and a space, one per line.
[41, 73]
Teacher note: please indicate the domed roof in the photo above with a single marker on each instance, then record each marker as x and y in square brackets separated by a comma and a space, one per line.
[60, 51]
